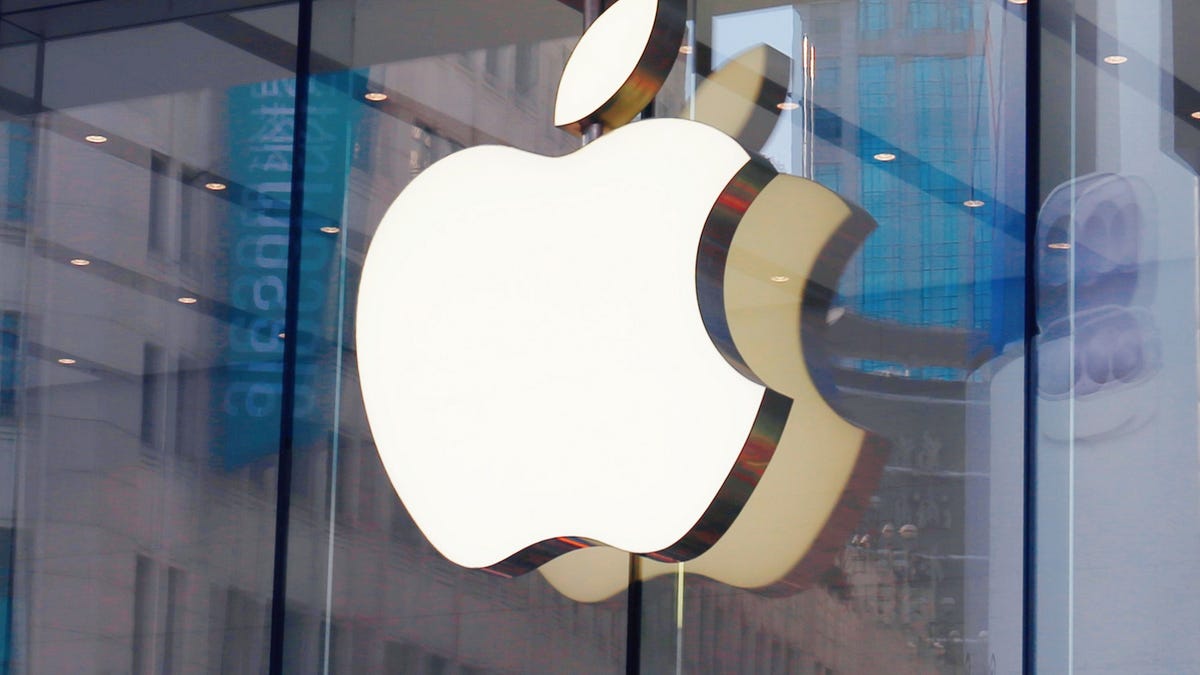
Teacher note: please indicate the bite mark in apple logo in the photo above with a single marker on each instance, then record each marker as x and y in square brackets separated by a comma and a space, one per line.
[536, 340]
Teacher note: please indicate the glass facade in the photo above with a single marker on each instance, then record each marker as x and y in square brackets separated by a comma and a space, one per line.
[188, 479]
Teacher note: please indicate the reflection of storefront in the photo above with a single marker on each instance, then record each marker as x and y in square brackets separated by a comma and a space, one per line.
[144, 288]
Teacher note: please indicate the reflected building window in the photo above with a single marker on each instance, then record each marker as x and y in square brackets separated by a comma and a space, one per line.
[157, 650]
[173, 629]
[191, 408]
[874, 16]
[827, 125]
[190, 215]
[143, 615]
[829, 75]
[16, 164]
[9, 342]
[152, 394]
[826, 18]
[369, 471]
[343, 481]
[467, 60]
[927, 15]
[161, 177]
[525, 71]
[492, 65]
[242, 646]
[829, 175]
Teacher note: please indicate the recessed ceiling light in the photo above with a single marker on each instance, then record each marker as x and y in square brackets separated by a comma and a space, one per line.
[95, 138]
[972, 203]
[685, 49]
[787, 105]
[80, 262]
[1059, 245]
[215, 186]
[187, 300]
[67, 362]
[1116, 59]
[780, 279]
[885, 156]
[1019, 2]
[331, 229]
[1196, 115]
[375, 96]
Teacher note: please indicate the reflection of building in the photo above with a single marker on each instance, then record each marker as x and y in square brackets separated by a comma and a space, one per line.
[907, 118]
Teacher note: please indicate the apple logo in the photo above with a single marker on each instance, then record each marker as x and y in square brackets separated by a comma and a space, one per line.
[613, 351]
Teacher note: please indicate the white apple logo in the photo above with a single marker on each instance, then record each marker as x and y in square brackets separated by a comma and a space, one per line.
[536, 335]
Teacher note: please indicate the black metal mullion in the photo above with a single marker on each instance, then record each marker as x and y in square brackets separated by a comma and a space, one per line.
[291, 330]
[1033, 88]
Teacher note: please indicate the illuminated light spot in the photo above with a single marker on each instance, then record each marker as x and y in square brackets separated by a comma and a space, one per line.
[67, 362]
[215, 186]
[80, 262]
[787, 105]
[95, 138]
[972, 203]
[1196, 115]
[331, 229]
[1059, 246]
[187, 300]
[885, 156]
[1116, 59]
[780, 279]
[375, 96]
[685, 49]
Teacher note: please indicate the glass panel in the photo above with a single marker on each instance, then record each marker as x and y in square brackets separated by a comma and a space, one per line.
[397, 88]
[139, 366]
[924, 344]
[1117, 361]
[921, 569]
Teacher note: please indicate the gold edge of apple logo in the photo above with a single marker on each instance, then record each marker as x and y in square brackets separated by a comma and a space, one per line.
[712, 256]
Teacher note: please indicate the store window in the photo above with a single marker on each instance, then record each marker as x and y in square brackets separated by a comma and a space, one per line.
[188, 478]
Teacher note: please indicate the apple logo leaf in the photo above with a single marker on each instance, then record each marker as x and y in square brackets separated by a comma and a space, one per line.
[619, 64]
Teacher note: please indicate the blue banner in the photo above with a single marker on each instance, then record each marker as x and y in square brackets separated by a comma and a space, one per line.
[261, 160]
